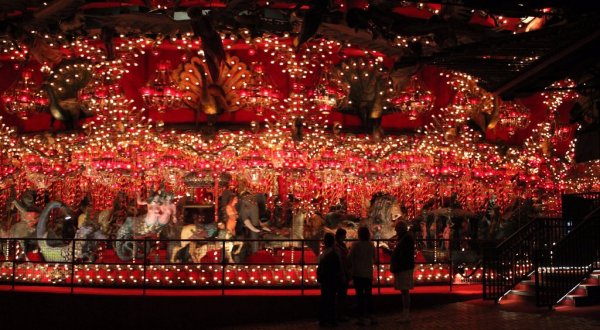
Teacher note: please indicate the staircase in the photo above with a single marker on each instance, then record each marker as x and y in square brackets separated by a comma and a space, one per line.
[587, 293]
[509, 263]
[568, 264]
[523, 291]
[548, 262]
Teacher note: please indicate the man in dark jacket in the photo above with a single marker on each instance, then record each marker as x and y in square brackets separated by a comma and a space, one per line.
[330, 276]
[402, 266]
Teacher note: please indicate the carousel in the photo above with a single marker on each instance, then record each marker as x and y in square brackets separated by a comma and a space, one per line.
[209, 144]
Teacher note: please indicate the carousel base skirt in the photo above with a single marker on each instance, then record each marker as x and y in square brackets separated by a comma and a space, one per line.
[462, 289]
[109, 308]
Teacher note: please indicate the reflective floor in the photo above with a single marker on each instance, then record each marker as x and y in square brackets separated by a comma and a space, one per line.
[465, 315]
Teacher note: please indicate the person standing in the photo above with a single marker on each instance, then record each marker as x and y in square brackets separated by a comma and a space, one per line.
[330, 277]
[342, 294]
[362, 259]
[402, 266]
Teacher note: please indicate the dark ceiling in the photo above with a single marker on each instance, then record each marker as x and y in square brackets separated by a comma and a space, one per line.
[563, 41]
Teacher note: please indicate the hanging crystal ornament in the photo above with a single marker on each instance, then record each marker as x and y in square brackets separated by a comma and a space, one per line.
[161, 93]
[327, 94]
[259, 93]
[25, 98]
[415, 100]
[513, 117]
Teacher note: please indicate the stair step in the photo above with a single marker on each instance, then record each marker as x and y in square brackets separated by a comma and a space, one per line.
[580, 300]
[593, 280]
[526, 285]
[591, 289]
[520, 295]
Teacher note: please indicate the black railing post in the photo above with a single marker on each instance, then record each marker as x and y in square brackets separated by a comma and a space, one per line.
[302, 267]
[72, 265]
[537, 276]
[451, 262]
[223, 263]
[378, 269]
[14, 262]
[483, 275]
[145, 274]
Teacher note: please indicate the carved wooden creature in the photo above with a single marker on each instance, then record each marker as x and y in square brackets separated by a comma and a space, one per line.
[211, 96]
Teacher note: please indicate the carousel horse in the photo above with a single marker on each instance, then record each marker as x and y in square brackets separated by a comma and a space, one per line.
[185, 249]
[188, 249]
[87, 238]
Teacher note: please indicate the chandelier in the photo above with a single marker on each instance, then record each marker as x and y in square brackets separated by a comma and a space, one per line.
[513, 116]
[161, 93]
[327, 94]
[469, 100]
[6, 168]
[415, 100]
[111, 161]
[24, 98]
[563, 132]
[104, 87]
[259, 93]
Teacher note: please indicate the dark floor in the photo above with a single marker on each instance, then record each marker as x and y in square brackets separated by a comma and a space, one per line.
[434, 307]
[458, 316]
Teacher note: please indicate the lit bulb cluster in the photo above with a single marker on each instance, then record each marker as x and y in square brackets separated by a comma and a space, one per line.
[513, 116]
[24, 98]
[205, 275]
[121, 148]
[469, 100]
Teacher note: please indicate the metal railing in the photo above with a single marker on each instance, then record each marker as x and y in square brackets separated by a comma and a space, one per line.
[511, 261]
[217, 264]
[562, 267]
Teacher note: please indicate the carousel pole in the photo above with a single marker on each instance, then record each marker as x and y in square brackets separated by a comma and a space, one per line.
[14, 261]
[216, 196]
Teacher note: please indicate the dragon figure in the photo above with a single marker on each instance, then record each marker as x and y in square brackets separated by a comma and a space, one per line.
[51, 251]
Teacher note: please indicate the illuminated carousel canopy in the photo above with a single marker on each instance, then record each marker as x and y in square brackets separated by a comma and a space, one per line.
[328, 98]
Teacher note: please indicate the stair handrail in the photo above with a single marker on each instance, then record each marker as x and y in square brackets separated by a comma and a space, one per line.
[511, 261]
[568, 262]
